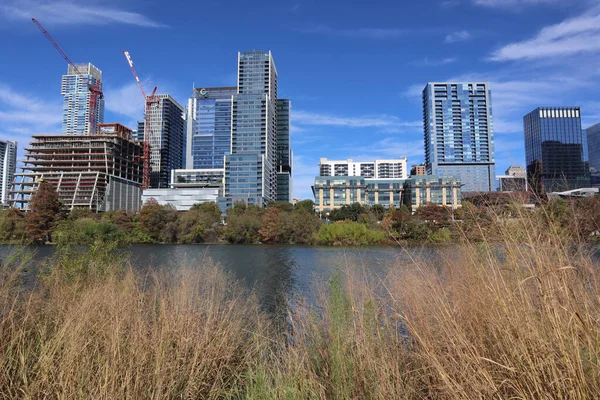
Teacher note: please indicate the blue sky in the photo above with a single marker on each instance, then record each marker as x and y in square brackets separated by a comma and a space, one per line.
[354, 70]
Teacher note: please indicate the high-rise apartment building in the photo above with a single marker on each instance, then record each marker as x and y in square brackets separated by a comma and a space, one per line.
[250, 169]
[208, 127]
[378, 169]
[285, 186]
[459, 139]
[8, 165]
[166, 139]
[555, 149]
[593, 142]
[76, 100]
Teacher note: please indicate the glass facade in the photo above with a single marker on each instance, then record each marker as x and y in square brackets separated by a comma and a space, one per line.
[593, 142]
[208, 127]
[76, 100]
[458, 127]
[250, 169]
[555, 149]
[166, 140]
[284, 152]
[8, 165]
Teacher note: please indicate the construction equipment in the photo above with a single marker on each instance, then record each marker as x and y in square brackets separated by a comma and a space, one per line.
[149, 100]
[95, 90]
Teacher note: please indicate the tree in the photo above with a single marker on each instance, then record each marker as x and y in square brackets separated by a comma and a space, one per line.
[348, 212]
[270, 230]
[12, 225]
[159, 222]
[307, 205]
[44, 210]
[305, 225]
[377, 211]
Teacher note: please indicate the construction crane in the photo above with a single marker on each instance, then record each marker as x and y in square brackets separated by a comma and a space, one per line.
[149, 100]
[95, 90]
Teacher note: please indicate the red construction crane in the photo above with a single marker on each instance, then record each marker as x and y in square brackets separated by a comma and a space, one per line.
[95, 90]
[149, 100]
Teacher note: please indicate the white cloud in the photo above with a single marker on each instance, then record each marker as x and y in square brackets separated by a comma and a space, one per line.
[576, 35]
[514, 3]
[434, 63]
[22, 113]
[125, 100]
[378, 121]
[365, 33]
[65, 12]
[458, 36]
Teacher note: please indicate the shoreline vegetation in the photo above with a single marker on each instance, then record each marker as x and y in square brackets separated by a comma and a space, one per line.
[284, 223]
[514, 313]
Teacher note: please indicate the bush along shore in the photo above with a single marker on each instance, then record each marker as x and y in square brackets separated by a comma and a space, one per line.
[284, 223]
[511, 313]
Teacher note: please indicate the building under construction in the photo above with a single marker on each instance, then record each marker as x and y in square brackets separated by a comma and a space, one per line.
[102, 172]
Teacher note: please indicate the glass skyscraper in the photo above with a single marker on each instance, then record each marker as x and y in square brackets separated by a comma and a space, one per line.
[208, 127]
[285, 185]
[8, 165]
[167, 144]
[459, 138]
[555, 149]
[250, 169]
[593, 142]
[76, 100]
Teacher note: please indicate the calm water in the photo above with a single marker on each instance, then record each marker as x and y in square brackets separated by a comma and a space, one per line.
[276, 273]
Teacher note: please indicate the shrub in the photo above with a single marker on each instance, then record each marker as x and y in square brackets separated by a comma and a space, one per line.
[349, 234]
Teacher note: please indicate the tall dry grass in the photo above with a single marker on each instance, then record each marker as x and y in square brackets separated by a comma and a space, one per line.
[126, 335]
[514, 318]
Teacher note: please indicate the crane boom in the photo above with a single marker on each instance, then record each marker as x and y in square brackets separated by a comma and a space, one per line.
[95, 91]
[148, 100]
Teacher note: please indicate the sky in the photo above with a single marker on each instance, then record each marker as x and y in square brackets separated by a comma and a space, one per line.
[353, 69]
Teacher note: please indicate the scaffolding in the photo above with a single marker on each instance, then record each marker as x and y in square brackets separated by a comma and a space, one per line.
[86, 170]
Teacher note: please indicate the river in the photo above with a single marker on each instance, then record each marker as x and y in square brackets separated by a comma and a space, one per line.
[276, 273]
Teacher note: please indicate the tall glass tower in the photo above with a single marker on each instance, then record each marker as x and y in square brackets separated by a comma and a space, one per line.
[208, 127]
[250, 169]
[593, 141]
[8, 165]
[76, 100]
[285, 187]
[459, 133]
[555, 149]
[167, 143]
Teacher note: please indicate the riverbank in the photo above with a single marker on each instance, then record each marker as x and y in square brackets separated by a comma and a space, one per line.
[520, 323]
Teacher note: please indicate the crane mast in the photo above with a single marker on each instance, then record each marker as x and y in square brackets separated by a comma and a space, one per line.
[95, 90]
[149, 101]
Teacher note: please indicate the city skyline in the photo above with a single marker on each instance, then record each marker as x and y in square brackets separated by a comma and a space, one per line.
[355, 95]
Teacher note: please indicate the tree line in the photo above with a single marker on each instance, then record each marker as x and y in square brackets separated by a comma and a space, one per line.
[285, 223]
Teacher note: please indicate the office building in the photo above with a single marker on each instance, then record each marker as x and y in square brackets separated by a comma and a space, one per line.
[459, 133]
[332, 192]
[555, 149]
[208, 127]
[166, 139]
[417, 170]
[513, 180]
[76, 100]
[102, 172]
[8, 165]
[593, 142]
[285, 183]
[251, 168]
[378, 169]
